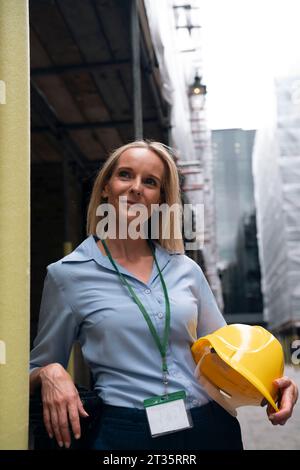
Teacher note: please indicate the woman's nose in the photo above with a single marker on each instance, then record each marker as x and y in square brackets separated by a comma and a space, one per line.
[136, 186]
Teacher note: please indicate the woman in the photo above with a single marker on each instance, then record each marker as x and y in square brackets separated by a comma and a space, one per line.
[136, 307]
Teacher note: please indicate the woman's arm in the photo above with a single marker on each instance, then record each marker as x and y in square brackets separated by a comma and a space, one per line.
[34, 380]
[61, 402]
[57, 327]
[57, 331]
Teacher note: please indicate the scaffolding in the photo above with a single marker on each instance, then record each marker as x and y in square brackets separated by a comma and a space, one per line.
[276, 168]
[175, 28]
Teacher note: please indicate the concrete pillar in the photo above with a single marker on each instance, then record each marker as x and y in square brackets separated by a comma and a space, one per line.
[136, 72]
[14, 223]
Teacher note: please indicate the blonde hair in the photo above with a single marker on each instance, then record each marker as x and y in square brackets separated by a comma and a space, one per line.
[170, 190]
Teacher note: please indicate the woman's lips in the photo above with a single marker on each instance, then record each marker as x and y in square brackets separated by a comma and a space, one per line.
[134, 202]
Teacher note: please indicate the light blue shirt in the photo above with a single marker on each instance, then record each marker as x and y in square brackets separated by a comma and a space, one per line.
[84, 300]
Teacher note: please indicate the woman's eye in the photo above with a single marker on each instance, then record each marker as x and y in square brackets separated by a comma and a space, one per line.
[151, 181]
[124, 173]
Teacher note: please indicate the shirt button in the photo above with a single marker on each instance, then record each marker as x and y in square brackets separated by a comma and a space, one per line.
[160, 315]
[147, 291]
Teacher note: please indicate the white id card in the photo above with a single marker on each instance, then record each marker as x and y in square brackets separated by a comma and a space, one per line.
[167, 414]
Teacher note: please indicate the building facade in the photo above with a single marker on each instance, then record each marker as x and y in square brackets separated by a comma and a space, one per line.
[276, 167]
[238, 262]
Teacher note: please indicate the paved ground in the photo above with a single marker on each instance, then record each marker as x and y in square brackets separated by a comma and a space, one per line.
[259, 433]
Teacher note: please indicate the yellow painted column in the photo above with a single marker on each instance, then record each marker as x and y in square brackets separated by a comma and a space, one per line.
[14, 223]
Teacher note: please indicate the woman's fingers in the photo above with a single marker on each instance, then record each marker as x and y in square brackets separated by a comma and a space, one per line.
[81, 410]
[47, 421]
[55, 426]
[289, 394]
[64, 426]
[60, 420]
[283, 382]
[61, 403]
[74, 419]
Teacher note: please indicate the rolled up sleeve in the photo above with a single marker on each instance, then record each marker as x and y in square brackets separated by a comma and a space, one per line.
[57, 327]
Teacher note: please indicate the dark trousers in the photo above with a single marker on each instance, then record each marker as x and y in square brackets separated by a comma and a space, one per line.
[127, 429]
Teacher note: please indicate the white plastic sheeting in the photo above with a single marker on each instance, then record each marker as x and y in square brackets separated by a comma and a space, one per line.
[163, 32]
[177, 70]
[276, 169]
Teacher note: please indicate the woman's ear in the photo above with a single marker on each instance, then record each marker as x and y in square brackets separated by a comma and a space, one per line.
[104, 192]
[104, 196]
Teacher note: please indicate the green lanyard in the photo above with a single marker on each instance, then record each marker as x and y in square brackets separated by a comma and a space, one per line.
[162, 346]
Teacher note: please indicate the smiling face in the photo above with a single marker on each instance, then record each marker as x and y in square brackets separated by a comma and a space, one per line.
[138, 176]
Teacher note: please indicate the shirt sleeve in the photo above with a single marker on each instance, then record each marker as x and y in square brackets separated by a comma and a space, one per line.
[57, 327]
[209, 316]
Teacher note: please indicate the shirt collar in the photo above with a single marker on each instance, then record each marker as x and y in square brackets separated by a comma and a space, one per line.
[88, 250]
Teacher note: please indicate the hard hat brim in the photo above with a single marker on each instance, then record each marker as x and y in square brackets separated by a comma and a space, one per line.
[198, 349]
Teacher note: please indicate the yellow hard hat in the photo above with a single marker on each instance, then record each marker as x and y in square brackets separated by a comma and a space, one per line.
[237, 365]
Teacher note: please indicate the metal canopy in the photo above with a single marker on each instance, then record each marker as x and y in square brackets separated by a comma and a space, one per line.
[82, 97]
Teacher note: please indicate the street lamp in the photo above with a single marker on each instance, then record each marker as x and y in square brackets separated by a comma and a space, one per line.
[197, 92]
[197, 88]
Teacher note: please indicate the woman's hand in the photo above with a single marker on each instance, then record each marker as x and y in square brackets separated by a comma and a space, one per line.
[61, 404]
[288, 392]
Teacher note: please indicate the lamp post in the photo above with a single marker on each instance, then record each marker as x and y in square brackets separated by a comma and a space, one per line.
[197, 87]
[198, 91]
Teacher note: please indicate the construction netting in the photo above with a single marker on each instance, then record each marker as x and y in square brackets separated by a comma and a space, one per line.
[276, 169]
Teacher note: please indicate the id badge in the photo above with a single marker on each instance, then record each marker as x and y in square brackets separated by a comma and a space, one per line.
[167, 413]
